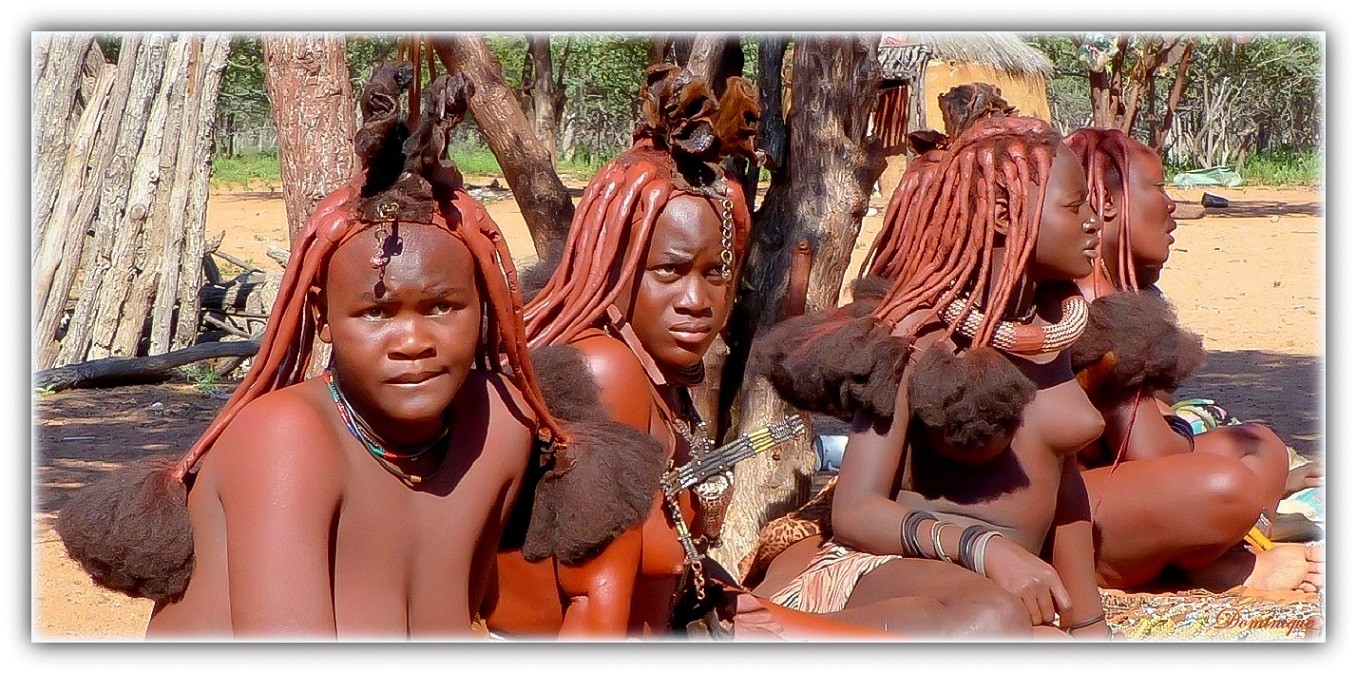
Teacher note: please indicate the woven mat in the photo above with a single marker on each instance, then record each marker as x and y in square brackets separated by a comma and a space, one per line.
[1198, 615]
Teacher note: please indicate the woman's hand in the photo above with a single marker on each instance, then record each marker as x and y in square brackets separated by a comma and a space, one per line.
[1024, 575]
[1099, 631]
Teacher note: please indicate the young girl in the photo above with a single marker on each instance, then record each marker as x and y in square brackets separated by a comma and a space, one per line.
[366, 502]
[1132, 356]
[645, 285]
[958, 510]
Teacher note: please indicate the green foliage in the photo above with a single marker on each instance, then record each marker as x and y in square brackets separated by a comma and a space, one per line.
[1283, 167]
[1068, 89]
[203, 376]
[474, 158]
[247, 171]
[1247, 100]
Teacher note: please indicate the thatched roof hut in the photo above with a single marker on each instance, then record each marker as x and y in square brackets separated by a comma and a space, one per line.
[917, 67]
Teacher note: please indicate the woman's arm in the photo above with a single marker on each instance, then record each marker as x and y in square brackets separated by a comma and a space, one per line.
[1072, 555]
[1150, 435]
[599, 591]
[280, 491]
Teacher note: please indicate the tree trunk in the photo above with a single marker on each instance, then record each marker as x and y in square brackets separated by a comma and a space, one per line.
[182, 220]
[121, 213]
[543, 92]
[60, 62]
[1175, 95]
[147, 370]
[659, 45]
[819, 197]
[307, 80]
[541, 196]
[198, 173]
[61, 235]
[714, 58]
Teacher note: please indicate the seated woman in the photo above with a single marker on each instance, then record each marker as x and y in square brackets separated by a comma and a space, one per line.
[645, 284]
[365, 502]
[959, 480]
[1149, 467]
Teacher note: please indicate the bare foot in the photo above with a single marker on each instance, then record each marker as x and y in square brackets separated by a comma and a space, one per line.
[1300, 477]
[1288, 566]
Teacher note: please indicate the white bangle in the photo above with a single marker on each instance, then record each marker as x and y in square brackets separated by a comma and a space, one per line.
[937, 542]
[980, 545]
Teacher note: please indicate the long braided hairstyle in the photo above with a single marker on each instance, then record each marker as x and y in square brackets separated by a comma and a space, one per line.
[1106, 157]
[1134, 338]
[676, 150]
[937, 244]
[131, 530]
[942, 236]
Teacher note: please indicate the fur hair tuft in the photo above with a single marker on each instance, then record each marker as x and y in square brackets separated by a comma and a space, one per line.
[130, 530]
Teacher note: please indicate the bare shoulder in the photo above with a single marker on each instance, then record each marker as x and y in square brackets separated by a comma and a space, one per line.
[622, 381]
[285, 438]
[512, 422]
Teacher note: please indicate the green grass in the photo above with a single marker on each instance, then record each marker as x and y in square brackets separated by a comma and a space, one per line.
[203, 376]
[476, 159]
[1274, 168]
[1283, 168]
[246, 172]
[260, 170]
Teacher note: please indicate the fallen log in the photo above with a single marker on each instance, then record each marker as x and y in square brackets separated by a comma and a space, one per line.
[108, 372]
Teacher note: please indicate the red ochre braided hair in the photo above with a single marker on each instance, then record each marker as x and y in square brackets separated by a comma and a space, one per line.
[1140, 331]
[943, 233]
[1106, 157]
[938, 243]
[130, 530]
[677, 149]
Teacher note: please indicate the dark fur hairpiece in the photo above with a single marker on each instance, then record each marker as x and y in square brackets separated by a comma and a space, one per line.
[1140, 332]
[610, 485]
[407, 171]
[833, 362]
[972, 399]
[680, 115]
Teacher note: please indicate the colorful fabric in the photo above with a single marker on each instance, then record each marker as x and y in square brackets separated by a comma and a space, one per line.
[1204, 414]
[826, 584]
[1199, 615]
[1308, 502]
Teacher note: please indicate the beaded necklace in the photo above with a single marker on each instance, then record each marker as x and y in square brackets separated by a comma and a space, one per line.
[375, 446]
[1021, 339]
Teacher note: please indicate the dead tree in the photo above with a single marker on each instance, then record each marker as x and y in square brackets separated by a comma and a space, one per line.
[71, 172]
[524, 158]
[140, 174]
[307, 79]
[1117, 90]
[818, 198]
[546, 95]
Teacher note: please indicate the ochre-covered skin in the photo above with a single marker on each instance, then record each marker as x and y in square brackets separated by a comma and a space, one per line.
[297, 531]
[641, 292]
[1227, 476]
[997, 215]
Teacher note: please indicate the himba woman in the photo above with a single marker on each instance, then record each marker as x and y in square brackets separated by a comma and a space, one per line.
[1164, 499]
[644, 285]
[958, 511]
[366, 502]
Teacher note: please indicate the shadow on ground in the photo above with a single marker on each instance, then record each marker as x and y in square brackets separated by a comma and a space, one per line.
[1278, 389]
[80, 434]
[1264, 209]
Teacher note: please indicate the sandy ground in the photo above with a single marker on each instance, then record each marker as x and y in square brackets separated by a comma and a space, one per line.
[1249, 278]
